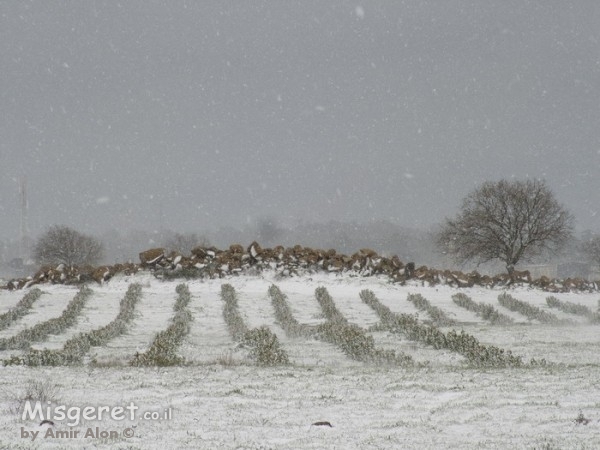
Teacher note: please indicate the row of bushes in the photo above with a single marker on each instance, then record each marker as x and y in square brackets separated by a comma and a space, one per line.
[21, 308]
[530, 311]
[75, 348]
[574, 308]
[56, 325]
[328, 308]
[483, 310]
[262, 344]
[163, 350]
[231, 314]
[285, 317]
[438, 316]
[264, 347]
[476, 353]
[351, 338]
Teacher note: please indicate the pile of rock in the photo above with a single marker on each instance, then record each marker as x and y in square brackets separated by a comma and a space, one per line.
[211, 262]
[63, 274]
[297, 260]
[517, 278]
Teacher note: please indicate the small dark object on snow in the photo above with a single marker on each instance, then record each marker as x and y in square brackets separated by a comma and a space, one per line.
[323, 423]
[581, 419]
[46, 422]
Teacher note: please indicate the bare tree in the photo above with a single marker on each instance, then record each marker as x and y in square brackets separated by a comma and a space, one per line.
[61, 244]
[506, 220]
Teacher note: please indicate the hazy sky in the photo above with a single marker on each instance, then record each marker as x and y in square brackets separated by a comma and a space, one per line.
[196, 114]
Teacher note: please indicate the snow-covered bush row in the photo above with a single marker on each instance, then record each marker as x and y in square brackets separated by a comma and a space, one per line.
[351, 338]
[285, 318]
[476, 353]
[75, 348]
[163, 350]
[328, 308]
[56, 325]
[262, 344]
[438, 316]
[530, 311]
[183, 298]
[264, 347]
[231, 314]
[356, 344]
[20, 309]
[483, 310]
[574, 308]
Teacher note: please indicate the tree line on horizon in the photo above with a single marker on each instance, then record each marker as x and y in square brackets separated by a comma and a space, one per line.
[506, 222]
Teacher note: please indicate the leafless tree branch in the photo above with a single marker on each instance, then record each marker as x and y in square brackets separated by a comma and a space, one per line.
[61, 244]
[506, 220]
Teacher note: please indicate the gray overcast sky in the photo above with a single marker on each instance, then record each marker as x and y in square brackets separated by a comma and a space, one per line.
[196, 114]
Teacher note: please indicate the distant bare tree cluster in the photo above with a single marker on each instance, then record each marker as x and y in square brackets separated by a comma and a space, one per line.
[184, 243]
[507, 220]
[591, 248]
[63, 245]
[268, 231]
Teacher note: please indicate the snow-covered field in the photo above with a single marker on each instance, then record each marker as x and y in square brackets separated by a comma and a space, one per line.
[221, 400]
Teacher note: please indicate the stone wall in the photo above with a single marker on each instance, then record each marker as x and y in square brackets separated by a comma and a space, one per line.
[211, 262]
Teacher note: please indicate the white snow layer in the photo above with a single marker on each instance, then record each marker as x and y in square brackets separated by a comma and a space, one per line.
[220, 400]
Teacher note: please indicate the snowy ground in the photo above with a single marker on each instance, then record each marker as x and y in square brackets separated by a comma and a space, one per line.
[222, 401]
